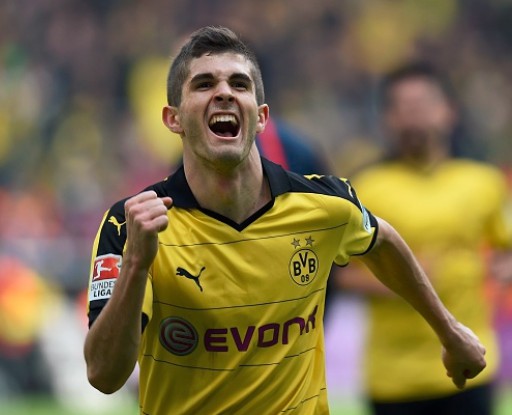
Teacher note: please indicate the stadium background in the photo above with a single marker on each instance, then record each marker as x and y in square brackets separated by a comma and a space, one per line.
[81, 87]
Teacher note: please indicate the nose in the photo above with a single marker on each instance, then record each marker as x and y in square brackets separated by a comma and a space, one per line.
[224, 93]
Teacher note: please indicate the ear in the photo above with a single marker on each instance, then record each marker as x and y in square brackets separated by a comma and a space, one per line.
[171, 119]
[263, 114]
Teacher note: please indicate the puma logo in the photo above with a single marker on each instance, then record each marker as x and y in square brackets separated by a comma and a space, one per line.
[118, 225]
[184, 273]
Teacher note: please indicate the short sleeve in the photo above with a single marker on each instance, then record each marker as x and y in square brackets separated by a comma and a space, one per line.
[106, 260]
[360, 231]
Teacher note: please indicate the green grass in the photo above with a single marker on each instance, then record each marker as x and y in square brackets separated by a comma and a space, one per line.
[47, 406]
[505, 403]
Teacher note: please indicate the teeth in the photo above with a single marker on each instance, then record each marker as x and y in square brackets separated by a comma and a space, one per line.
[223, 118]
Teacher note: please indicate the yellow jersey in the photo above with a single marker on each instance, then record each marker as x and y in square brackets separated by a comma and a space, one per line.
[233, 313]
[448, 216]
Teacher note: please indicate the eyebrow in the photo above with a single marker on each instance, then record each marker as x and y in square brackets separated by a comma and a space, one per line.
[241, 76]
[209, 76]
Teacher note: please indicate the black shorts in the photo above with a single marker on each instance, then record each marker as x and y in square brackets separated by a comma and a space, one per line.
[474, 401]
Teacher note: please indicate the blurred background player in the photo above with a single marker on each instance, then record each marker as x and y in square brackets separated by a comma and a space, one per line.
[451, 212]
[24, 299]
[284, 145]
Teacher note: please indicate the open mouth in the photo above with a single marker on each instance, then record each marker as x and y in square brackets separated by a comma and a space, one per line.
[224, 125]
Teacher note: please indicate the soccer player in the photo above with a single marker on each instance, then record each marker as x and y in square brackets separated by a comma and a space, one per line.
[451, 213]
[214, 279]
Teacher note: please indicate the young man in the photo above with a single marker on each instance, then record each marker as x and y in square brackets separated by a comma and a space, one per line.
[220, 270]
[451, 213]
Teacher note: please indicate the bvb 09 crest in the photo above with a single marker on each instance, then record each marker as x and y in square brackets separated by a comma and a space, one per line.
[303, 265]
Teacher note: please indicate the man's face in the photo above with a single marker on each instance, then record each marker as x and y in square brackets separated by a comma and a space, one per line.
[418, 115]
[219, 117]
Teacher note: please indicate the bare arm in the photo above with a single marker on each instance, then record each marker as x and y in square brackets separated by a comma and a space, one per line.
[393, 263]
[357, 278]
[111, 346]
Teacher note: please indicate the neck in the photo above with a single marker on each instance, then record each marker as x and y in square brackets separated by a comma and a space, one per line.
[426, 161]
[427, 156]
[236, 193]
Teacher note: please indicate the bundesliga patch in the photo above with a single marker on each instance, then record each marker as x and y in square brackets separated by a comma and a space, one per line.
[104, 275]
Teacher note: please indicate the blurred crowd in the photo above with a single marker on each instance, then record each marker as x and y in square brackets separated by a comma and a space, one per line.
[82, 84]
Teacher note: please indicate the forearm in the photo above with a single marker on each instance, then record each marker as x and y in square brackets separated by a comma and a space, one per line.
[112, 343]
[395, 266]
[358, 279]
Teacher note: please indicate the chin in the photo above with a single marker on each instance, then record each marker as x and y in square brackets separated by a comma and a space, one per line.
[227, 158]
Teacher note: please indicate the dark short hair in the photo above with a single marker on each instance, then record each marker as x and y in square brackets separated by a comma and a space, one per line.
[414, 70]
[211, 40]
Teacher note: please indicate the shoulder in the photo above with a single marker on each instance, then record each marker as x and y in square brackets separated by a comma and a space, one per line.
[327, 185]
[283, 181]
[478, 169]
[384, 171]
[485, 178]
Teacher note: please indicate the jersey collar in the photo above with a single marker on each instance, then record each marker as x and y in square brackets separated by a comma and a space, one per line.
[177, 187]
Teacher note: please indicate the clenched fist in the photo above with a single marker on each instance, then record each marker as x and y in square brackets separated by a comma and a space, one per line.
[146, 216]
[464, 357]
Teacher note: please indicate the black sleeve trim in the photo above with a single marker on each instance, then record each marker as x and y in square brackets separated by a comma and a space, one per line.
[375, 224]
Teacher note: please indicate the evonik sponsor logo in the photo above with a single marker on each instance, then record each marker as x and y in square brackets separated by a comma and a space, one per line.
[180, 337]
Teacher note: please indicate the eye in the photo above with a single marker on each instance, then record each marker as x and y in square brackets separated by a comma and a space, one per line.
[204, 85]
[241, 85]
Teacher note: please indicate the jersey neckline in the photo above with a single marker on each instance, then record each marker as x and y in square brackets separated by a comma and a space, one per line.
[177, 187]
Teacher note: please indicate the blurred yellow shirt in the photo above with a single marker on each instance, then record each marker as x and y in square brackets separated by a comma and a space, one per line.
[24, 297]
[448, 216]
